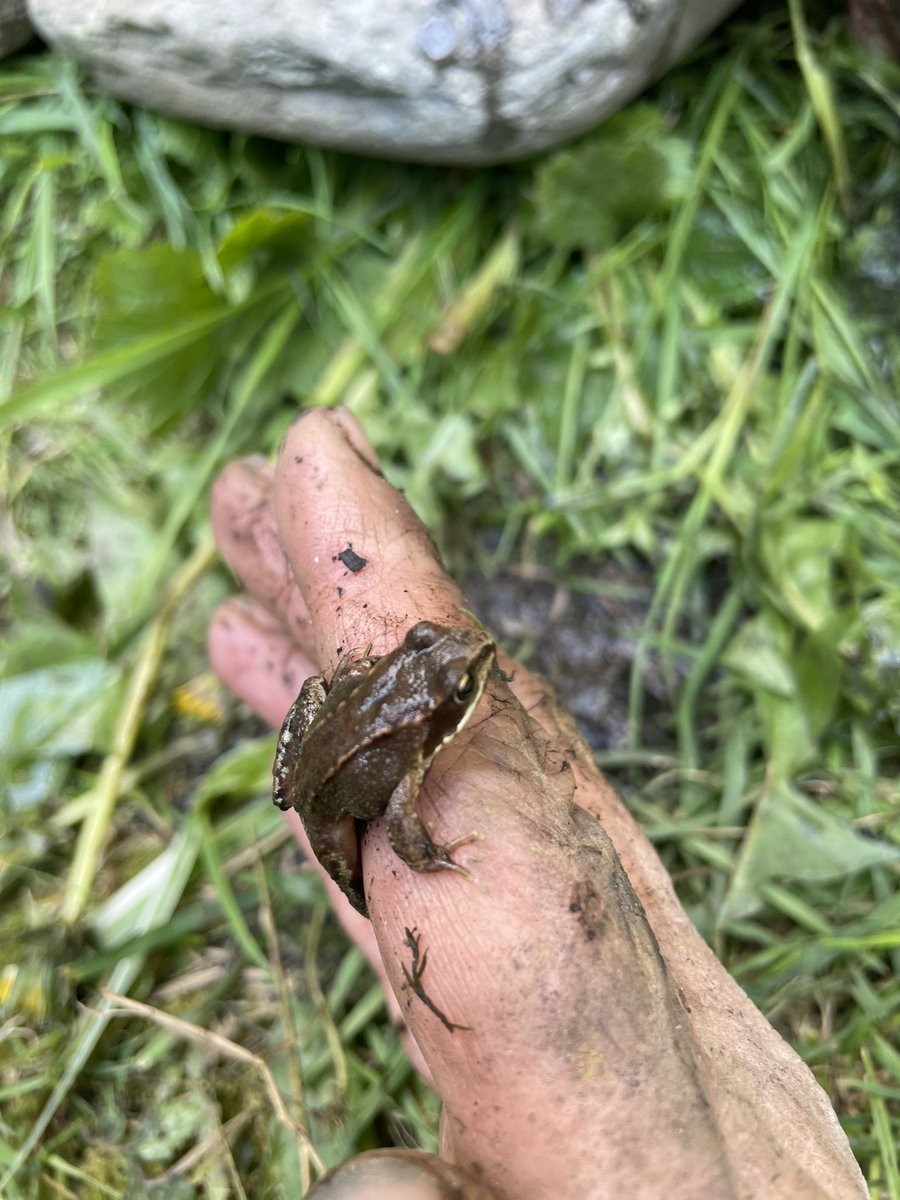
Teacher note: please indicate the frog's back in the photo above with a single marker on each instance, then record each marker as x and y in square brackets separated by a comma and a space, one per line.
[369, 776]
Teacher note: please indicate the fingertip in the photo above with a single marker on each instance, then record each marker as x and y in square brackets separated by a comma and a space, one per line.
[364, 562]
[240, 487]
[319, 429]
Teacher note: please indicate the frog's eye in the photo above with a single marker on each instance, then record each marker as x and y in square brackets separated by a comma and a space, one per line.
[464, 688]
[422, 636]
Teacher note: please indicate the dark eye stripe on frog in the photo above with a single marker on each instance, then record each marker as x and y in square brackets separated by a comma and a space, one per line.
[443, 724]
[452, 714]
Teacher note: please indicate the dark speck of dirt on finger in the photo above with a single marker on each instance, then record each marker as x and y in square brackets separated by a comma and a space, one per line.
[586, 906]
[351, 560]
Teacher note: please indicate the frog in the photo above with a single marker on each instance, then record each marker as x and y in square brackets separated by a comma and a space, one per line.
[360, 746]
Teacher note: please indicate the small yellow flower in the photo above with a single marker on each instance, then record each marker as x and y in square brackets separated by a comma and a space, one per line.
[200, 699]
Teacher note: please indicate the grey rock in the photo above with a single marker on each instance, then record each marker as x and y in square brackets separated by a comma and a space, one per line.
[452, 81]
[15, 26]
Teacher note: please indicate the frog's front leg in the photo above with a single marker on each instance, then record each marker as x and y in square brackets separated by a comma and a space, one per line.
[408, 835]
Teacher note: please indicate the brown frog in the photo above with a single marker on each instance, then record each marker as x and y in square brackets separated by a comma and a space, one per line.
[361, 747]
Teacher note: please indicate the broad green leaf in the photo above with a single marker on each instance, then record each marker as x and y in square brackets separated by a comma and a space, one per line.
[146, 291]
[760, 653]
[718, 263]
[787, 741]
[152, 293]
[793, 838]
[121, 539]
[33, 783]
[268, 236]
[57, 711]
[244, 770]
[819, 672]
[634, 168]
[800, 556]
[129, 363]
[42, 640]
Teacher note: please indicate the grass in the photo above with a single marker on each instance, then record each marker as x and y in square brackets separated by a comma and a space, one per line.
[670, 347]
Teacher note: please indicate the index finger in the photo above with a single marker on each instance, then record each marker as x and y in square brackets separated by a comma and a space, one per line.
[364, 562]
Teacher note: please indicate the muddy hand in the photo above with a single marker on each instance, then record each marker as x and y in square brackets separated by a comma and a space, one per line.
[583, 1039]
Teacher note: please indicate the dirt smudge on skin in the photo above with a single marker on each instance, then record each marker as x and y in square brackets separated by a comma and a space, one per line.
[587, 908]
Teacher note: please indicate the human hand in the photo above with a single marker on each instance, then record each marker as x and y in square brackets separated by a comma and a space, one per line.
[582, 1038]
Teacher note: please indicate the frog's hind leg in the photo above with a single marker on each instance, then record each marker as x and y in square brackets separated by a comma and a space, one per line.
[337, 849]
[408, 835]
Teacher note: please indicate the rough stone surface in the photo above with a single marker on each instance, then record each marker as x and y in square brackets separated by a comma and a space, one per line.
[455, 81]
[15, 26]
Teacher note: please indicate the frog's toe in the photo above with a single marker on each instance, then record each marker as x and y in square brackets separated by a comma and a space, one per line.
[441, 859]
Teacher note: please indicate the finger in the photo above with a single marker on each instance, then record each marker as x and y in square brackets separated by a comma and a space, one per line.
[255, 658]
[402, 581]
[365, 564]
[243, 522]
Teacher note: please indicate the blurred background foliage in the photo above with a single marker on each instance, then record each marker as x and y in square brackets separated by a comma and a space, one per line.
[656, 371]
